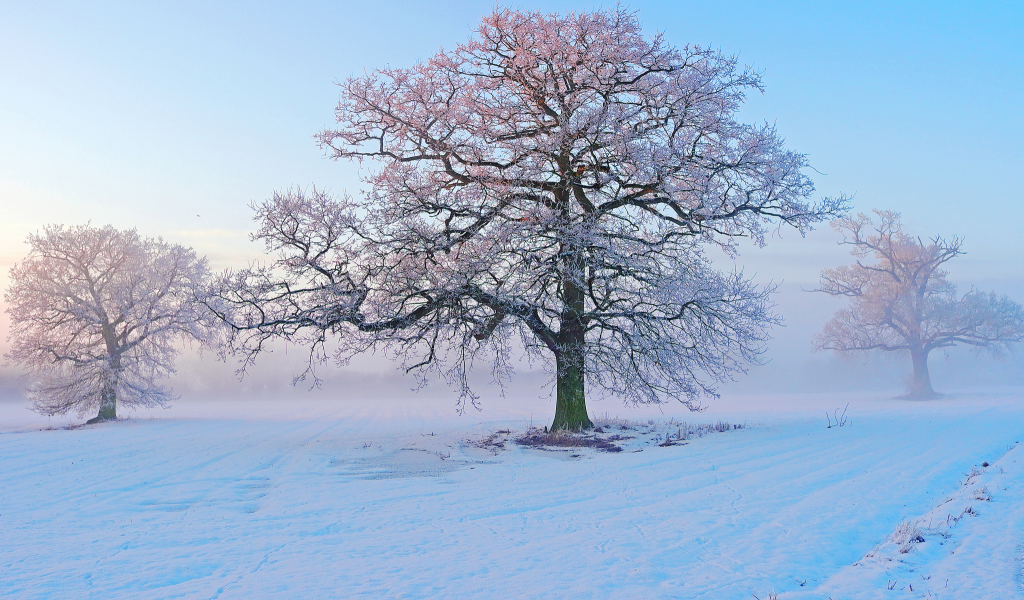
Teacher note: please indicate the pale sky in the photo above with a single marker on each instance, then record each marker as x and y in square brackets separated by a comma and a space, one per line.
[172, 117]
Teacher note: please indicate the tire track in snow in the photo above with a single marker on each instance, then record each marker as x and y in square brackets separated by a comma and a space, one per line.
[965, 548]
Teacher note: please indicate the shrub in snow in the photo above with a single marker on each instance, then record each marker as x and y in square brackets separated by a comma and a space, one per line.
[906, 535]
[974, 473]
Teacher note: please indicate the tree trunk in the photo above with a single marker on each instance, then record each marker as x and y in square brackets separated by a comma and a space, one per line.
[921, 384]
[571, 358]
[108, 406]
[108, 395]
[571, 402]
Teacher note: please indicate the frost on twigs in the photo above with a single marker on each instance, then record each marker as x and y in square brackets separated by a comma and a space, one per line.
[906, 535]
[616, 435]
[538, 438]
[493, 443]
[546, 188]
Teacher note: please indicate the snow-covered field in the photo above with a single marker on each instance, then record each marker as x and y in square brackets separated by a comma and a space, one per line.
[314, 499]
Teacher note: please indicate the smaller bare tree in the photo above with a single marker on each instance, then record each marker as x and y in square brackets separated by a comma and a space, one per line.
[95, 315]
[902, 302]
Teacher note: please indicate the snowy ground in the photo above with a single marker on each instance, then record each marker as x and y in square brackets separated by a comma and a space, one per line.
[313, 499]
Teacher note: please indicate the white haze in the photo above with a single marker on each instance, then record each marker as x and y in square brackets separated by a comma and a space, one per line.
[790, 365]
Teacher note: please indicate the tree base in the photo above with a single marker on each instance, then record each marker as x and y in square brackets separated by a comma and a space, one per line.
[929, 395]
[577, 425]
[571, 407]
[108, 409]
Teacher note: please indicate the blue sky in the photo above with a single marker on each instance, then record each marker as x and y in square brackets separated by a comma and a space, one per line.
[147, 116]
[173, 117]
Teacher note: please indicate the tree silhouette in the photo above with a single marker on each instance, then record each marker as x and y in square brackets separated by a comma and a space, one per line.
[902, 301]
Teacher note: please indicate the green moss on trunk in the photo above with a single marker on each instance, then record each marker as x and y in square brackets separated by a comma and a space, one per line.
[570, 403]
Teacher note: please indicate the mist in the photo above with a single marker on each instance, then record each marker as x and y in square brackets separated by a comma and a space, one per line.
[789, 364]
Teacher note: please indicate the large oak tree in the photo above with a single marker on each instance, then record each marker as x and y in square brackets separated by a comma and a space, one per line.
[548, 185]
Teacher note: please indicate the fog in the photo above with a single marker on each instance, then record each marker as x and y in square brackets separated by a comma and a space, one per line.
[789, 364]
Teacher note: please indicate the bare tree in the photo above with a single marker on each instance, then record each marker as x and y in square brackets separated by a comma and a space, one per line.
[551, 184]
[95, 314]
[902, 301]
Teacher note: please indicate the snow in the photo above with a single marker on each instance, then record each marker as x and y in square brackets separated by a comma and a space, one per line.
[396, 499]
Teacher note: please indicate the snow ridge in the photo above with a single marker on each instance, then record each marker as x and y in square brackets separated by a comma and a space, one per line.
[966, 547]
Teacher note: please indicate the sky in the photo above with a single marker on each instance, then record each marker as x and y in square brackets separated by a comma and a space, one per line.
[173, 117]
